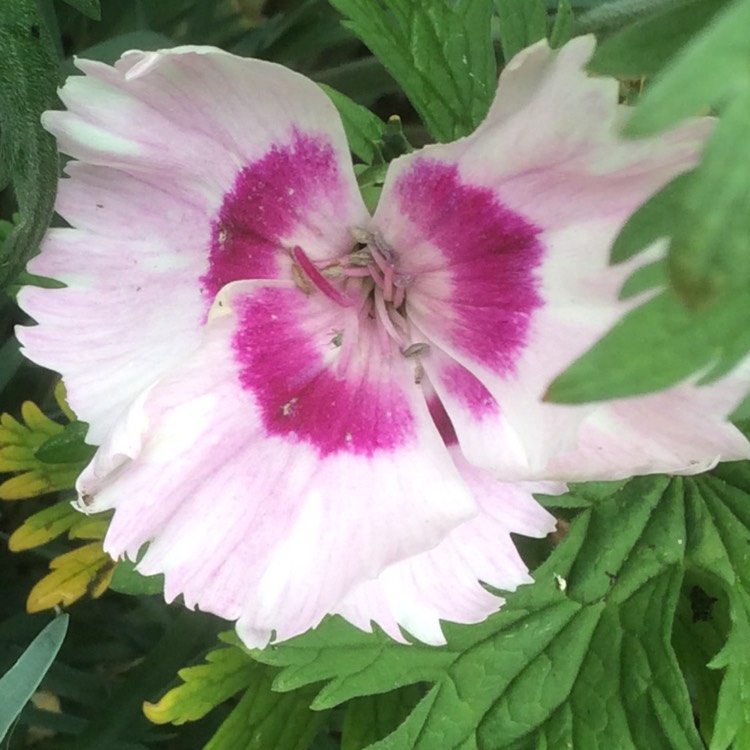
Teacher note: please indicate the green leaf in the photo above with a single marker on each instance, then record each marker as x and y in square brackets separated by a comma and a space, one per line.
[89, 8]
[562, 29]
[67, 447]
[439, 52]
[127, 580]
[227, 671]
[580, 659]
[363, 129]
[645, 47]
[718, 513]
[712, 68]
[372, 717]
[28, 156]
[655, 219]
[656, 345]
[21, 681]
[708, 255]
[644, 278]
[265, 720]
[522, 22]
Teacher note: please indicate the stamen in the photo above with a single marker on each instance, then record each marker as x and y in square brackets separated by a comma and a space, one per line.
[384, 317]
[417, 349]
[318, 279]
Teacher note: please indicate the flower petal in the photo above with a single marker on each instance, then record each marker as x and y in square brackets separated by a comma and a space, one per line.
[267, 480]
[679, 431]
[507, 233]
[198, 168]
[444, 583]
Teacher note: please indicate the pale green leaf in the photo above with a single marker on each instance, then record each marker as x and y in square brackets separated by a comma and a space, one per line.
[227, 671]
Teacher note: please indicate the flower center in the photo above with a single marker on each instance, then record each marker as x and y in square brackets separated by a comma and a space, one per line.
[367, 278]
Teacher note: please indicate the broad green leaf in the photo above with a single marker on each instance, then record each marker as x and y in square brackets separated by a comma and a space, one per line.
[28, 156]
[718, 511]
[654, 220]
[656, 345]
[562, 29]
[363, 129]
[266, 720]
[127, 580]
[439, 52]
[708, 255]
[584, 664]
[711, 68]
[587, 664]
[352, 662]
[522, 22]
[227, 671]
[89, 8]
[373, 717]
[21, 681]
[650, 39]
[646, 277]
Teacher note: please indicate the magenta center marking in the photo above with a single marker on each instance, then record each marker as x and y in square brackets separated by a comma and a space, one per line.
[270, 198]
[490, 257]
[301, 396]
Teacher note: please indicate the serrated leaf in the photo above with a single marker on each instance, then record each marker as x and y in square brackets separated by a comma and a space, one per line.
[654, 220]
[354, 662]
[266, 720]
[707, 71]
[127, 580]
[363, 128]
[522, 22]
[718, 508]
[372, 717]
[643, 48]
[656, 345]
[585, 665]
[439, 52]
[85, 570]
[227, 671]
[19, 683]
[89, 8]
[28, 156]
[708, 256]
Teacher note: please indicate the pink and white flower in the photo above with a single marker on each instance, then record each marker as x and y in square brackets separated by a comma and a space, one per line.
[304, 409]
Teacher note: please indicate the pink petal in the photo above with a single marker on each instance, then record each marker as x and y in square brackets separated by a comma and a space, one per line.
[679, 431]
[197, 169]
[444, 583]
[507, 233]
[267, 480]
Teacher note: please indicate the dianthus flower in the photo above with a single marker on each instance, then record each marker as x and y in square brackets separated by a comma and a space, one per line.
[303, 409]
